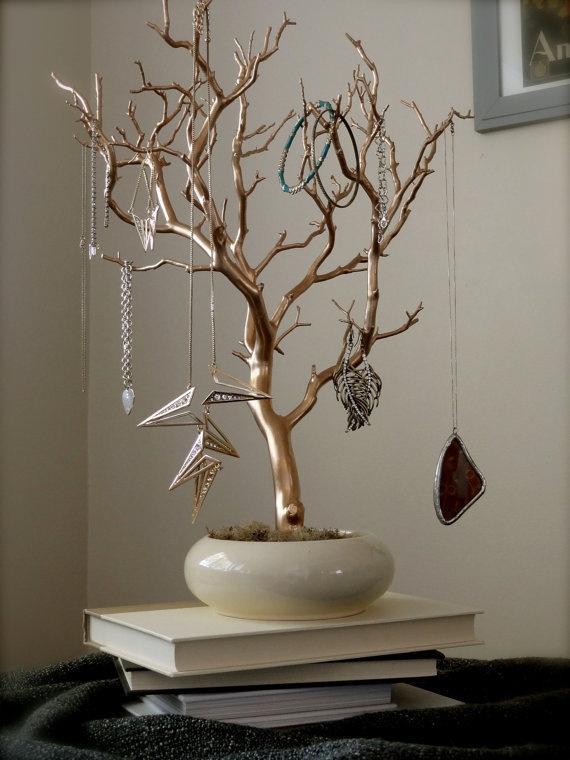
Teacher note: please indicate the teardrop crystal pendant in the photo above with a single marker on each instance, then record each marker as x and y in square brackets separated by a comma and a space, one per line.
[458, 481]
[128, 400]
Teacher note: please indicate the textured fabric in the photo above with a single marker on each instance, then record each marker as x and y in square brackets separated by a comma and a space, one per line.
[515, 708]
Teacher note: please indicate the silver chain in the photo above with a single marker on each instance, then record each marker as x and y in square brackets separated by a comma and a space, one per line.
[84, 272]
[451, 268]
[382, 204]
[107, 191]
[210, 199]
[127, 323]
[93, 235]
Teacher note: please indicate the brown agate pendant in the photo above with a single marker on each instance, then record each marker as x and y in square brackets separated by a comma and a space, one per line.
[458, 482]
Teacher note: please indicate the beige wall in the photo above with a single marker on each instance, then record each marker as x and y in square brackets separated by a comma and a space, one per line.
[43, 423]
[509, 553]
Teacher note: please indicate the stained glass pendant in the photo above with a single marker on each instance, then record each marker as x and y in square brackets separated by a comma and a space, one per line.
[458, 481]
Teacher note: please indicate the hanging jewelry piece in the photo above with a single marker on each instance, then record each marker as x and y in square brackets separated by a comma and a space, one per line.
[201, 467]
[127, 335]
[84, 272]
[334, 117]
[358, 390]
[246, 391]
[321, 104]
[93, 234]
[198, 465]
[176, 412]
[242, 391]
[146, 226]
[382, 204]
[107, 191]
[458, 482]
[215, 439]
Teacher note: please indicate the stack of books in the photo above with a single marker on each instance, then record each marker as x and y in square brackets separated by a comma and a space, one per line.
[188, 659]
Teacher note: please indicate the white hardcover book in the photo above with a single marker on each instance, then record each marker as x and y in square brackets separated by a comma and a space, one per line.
[186, 639]
[135, 678]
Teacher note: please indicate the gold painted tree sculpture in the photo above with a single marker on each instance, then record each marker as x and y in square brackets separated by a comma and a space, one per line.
[186, 133]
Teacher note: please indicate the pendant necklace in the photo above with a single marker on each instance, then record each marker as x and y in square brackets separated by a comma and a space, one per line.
[458, 481]
[234, 389]
[198, 466]
[84, 273]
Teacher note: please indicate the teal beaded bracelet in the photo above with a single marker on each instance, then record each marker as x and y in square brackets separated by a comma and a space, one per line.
[326, 106]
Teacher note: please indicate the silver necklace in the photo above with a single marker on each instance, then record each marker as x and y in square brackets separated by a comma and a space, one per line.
[458, 482]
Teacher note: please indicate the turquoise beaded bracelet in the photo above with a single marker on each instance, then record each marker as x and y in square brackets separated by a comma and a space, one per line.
[323, 105]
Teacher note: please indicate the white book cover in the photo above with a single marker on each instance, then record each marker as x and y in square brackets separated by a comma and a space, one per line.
[186, 639]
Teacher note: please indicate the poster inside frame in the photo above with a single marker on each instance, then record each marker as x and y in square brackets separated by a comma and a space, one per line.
[500, 99]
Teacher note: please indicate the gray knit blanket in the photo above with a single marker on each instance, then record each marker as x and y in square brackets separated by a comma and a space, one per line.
[513, 708]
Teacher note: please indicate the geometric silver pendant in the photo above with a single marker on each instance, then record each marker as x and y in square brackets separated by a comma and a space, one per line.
[146, 228]
[203, 483]
[245, 392]
[215, 439]
[192, 464]
[176, 412]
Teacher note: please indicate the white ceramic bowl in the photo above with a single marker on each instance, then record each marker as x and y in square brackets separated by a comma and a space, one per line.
[293, 580]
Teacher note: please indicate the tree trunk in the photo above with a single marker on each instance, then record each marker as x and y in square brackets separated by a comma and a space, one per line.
[289, 509]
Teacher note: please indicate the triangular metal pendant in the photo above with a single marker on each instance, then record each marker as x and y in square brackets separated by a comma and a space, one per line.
[191, 466]
[246, 392]
[215, 439]
[176, 412]
[225, 397]
[203, 484]
[458, 481]
[146, 228]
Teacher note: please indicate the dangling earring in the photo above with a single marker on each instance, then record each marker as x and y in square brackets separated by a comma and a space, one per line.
[127, 335]
[358, 390]
[146, 226]
[458, 482]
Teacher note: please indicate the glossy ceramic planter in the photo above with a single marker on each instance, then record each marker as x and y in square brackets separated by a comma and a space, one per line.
[293, 580]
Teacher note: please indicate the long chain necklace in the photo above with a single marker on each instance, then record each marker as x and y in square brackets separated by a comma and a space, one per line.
[242, 391]
[458, 482]
[84, 273]
[177, 411]
[198, 465]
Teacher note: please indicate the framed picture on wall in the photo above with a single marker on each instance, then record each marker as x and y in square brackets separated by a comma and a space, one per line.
[521, 61]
